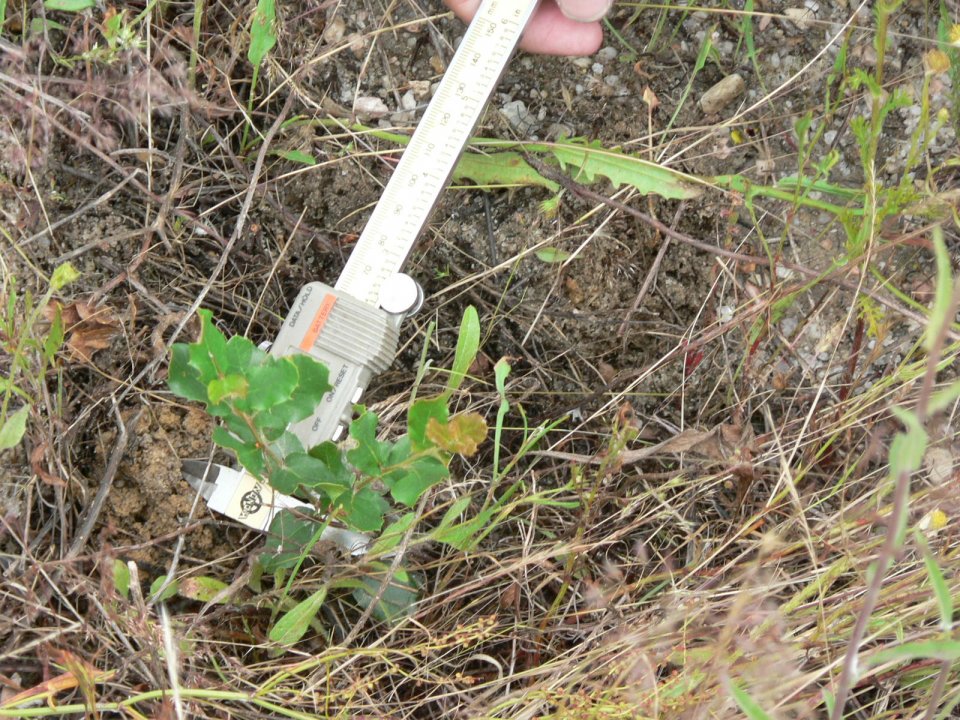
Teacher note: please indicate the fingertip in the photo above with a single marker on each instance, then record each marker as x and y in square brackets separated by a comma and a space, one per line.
[552, 33]
[585, 10]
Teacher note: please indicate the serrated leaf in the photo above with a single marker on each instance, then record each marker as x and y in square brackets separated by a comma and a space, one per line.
[14, 428]
[168, 592]
[585, 161]
[407, 485]
[468, 344]
[121, 578]
[203, 589]
[297, 156]
[500, 169]
[552, 255]
[294, 624]
[420, 414]
[461, 435]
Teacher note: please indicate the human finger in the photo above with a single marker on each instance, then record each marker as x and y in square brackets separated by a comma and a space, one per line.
[585, 10]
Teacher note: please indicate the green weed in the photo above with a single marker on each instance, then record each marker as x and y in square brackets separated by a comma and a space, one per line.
[257, 397]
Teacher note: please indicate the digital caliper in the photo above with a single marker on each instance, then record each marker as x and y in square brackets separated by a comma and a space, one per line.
[353, 327]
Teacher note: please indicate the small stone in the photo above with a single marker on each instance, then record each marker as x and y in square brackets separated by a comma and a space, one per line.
[420, 89]
[597, 68]
[370, 108]
[607, 54]
[612, 80]
[520, 119]
[788, 325]
[335, 30]
[582, 62]
[559, 130]
[408, 101]
[801, 17]
[722, 94]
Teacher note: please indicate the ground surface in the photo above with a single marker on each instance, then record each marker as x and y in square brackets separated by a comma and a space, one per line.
[738, 552]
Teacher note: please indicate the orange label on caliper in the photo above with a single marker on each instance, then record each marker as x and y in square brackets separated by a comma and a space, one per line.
[319, 320]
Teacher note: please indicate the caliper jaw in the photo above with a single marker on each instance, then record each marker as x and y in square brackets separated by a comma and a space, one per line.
[355, 341]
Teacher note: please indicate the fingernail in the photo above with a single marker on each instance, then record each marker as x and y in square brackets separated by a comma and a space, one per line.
[585, 10]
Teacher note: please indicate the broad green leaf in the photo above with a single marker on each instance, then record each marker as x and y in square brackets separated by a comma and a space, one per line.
[407, 485]
[552, 255]
[182, 378]
[286, 540]
[364, 509]
[294, 624]
[227, 387]
[942, 399]
[262, 34]
[303, 469]
[212, 341]
[751, 708]
[69, 5]
[339, 477]
[14, 428]
[168, 591]
[121, 578]
[420, 414]
[270, 384]
[297, 156]
[370, 454]
[399, 596]
[203, 589]
[393, 534]
[461, 435]
[240, 353]
[453, 512]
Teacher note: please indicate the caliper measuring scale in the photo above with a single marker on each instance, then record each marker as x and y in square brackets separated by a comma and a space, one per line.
[353, 327]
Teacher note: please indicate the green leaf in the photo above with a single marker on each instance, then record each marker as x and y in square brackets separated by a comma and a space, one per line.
[203, 589]
[946, 650]
[297, 156]
[286, 540]
[407, 485]
[310, 472]
[270, 384]
[942, 399]
[68, 5]
[399, 596]
[262, 34]
[168, 592]
[227, 387]
[212, 343]
[183, 379]
[294, 624]
[500, 169]
[461, 435]
[943, 291]
[552, 255]
[65, 273]
[588, 160]
[370, 454]
[121, 578]
[938, 582]
[468, 344]
[393, 534]
[54, 340]
[338, 478]
[364, 509]
[751, 708]
[420, 414]
[14, 428]
[240, 353]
